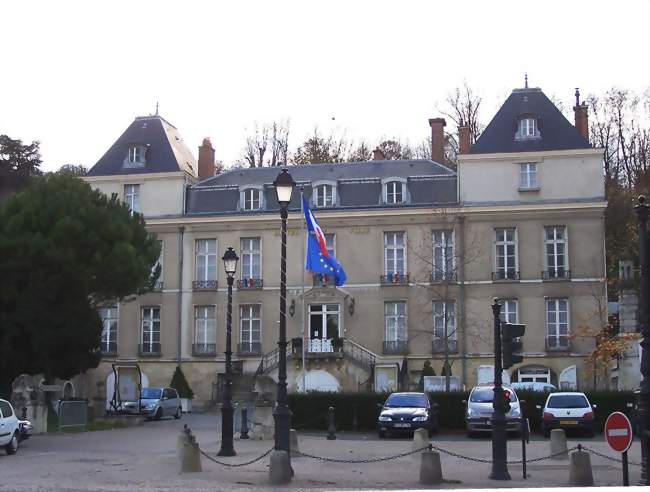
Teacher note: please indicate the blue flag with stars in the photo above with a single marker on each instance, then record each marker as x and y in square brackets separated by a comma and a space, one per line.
[319, 260]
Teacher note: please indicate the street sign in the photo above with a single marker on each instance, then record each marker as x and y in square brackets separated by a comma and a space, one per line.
[618, 432]
[49, 387]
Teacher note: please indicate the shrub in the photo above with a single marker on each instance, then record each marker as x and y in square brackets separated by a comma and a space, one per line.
[180, 384]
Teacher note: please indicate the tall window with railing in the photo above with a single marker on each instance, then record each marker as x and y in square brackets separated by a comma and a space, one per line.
[251, 258]
[206, 264]
[506, 254]
[444, 326]
[205, 330]
[394, 253]
[150, 331]
[557, 324]
[509, 311]
[250, 326]
[395, 337]
[132, 196]
[555, 245]
[443, 255]
[108, 315]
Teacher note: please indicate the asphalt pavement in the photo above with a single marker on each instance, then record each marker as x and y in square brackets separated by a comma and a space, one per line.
[145, 458]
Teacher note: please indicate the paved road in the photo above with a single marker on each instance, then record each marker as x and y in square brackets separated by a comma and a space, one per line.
[146, 458]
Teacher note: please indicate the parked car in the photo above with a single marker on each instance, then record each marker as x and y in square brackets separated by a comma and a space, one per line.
[156, 403]
[406, 412]
[479, 410]
[25, 429]
[530, 386]
[9, 432]
[567, 410]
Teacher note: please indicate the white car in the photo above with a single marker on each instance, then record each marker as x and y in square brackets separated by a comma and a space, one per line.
[568, 410]
[9, 433]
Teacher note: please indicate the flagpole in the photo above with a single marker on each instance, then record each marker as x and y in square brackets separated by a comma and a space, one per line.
[302, 295]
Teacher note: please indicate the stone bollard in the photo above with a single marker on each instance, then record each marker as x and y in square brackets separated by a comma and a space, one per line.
[430, 468]
[331, 425]
[558, 444]
[580, 469]
[190, 457]
[244, 424]
[180, 442]
[279, 468]
[293, 443]
[420, 439]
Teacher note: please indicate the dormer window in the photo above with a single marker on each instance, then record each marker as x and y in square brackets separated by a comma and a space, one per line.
[136, 154]
[527, 128]
[325, 196]
[252, 199]
[394, 192]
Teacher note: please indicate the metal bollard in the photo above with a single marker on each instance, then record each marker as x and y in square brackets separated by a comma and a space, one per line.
[244, 424]
[355, 420]
[331, 425]
[24, 415]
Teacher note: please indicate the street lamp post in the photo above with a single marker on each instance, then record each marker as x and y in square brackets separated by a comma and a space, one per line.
[643, 397]
[499, 436]
[284, 185]
[230, 260]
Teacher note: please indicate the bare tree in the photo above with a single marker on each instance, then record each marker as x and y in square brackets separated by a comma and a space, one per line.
[322, 149]
[274, 135]
[445, 261]
[462, 107]
[359, 153]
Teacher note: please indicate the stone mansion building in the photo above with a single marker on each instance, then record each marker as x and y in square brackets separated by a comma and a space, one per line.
[426, 249]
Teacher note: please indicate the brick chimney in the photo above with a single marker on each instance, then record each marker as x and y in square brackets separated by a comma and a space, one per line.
[378, 155]
[581, 116]
[438, 139]
[464, 140]
[206, 159]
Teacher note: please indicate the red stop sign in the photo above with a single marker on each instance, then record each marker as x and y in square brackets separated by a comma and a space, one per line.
[618, 432]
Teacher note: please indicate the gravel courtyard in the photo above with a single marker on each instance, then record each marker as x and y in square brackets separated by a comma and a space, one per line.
[145, 458]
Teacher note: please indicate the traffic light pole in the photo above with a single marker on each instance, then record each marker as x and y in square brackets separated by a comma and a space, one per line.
[499, 437]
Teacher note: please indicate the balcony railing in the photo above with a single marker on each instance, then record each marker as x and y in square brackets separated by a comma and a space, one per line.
[556, 274]
[108, 348]
[558, 343]
[396, 347]
[149, 349]
[438, 345]
[250, 284]
[394, 279]
[323, 280]
[204, 349]
[502, 275]
[442, 276]
[204, 285]
[249, 348]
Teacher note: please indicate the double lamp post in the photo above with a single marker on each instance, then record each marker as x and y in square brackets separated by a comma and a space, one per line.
[284, 185]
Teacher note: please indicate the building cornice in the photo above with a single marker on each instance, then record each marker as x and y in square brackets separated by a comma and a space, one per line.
[519, 156]
[122, 178]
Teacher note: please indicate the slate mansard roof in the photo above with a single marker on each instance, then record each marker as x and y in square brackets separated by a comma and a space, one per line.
[358, 186]
[556, 133]
[166, 150]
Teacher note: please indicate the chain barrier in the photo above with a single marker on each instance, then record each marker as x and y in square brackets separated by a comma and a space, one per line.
[233, 465]
[610, 458]
[366, 460]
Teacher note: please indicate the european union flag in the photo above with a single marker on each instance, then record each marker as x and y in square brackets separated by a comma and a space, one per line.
[319, 260]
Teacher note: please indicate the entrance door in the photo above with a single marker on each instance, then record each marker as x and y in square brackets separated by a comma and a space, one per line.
[324, 322]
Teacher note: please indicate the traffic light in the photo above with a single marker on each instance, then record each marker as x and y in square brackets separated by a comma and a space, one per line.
[506, 397]
[510, 346]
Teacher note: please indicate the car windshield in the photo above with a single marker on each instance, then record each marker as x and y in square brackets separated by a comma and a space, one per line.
[402, 400]
[152, 393]
[485, 395]
[567, 401]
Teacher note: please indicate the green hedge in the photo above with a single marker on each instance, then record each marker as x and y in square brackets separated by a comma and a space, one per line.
[310, 409]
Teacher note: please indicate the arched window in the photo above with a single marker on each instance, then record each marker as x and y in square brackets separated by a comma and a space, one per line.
[527, 127]
[394, 192]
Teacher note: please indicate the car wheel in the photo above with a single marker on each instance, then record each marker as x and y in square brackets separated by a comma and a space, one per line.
[179, 413]
[12, 447]
[159, 413]
[382, 434]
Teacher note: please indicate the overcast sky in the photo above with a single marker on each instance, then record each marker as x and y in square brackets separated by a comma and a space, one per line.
[75, 74]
